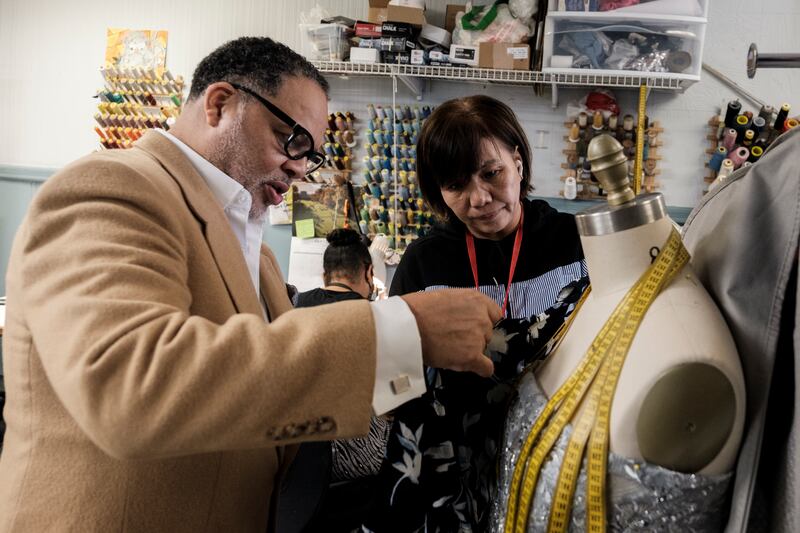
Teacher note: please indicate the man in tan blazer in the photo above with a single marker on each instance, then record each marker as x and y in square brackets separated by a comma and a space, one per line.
[154, 370]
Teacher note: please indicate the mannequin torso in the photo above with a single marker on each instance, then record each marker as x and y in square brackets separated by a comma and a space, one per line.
[682, 334]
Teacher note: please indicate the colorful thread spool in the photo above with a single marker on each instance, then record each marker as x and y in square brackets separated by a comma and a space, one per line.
[755, 153]
[716, 159]
[739, 156]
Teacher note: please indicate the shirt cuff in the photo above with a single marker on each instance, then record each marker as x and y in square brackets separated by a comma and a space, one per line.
[399, 376]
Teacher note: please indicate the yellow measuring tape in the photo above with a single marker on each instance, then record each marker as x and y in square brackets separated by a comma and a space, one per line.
[596, 374]
[637, 163]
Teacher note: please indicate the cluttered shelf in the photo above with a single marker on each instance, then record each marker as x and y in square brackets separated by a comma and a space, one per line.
[514, 77]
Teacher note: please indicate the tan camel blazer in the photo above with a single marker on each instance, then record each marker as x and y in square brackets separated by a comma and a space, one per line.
[145, 390]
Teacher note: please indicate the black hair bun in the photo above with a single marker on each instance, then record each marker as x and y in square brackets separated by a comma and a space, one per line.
[343, 237]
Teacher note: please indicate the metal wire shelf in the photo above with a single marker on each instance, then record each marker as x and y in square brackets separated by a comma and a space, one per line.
[513, 77]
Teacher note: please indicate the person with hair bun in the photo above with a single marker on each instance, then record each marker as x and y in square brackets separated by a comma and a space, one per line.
[329, 484]
[347, 271]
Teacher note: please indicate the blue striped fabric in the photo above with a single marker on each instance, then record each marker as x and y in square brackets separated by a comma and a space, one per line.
[533, 296]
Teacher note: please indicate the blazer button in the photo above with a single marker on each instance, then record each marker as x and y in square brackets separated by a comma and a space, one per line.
[326, 424]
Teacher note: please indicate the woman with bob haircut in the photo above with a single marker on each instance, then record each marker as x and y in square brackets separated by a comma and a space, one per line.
[474, 170]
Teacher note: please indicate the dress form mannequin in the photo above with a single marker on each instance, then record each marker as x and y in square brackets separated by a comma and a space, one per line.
[680, 400]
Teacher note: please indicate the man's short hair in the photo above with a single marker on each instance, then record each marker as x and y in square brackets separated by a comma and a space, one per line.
[256, 62]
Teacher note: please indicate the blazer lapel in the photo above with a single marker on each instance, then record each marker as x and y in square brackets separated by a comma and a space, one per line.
[219, 235]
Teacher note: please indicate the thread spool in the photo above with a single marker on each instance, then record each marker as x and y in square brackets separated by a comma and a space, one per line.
[597, 122]
[720, 126]
[739, 156]
[340, 123]
[570, 188]
[755, 153]
[758, 124]
[363, 226]
[790, 124]
[725, 169]
[741, 125]
[371, 110]
[583, 120]
[349, 139]
[732, 111]
[574, 133]
[781, 118]
[627, 123]
[612, 122]
[379, 113]
[749, 136]
[716, 159]
[766, 113]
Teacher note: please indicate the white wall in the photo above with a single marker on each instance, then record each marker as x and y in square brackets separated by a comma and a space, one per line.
[50, 53]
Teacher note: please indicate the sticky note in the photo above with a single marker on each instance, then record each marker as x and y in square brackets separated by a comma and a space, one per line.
[305, 228]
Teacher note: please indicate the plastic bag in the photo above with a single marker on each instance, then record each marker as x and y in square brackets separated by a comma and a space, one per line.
[314, 15]
[523, 9]
[493, 24]
[602, 100]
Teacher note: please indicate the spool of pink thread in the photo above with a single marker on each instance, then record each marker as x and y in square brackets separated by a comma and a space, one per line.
[729, 139]
[739, 156]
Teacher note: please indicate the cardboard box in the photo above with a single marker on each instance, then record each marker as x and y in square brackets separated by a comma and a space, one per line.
[378, 11]
[450, 16]
[505, 56]
[412, 15]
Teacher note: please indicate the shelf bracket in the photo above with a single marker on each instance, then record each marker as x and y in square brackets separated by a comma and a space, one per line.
[416, 85]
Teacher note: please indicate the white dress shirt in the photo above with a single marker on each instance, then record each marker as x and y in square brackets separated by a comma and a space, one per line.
[398, 375]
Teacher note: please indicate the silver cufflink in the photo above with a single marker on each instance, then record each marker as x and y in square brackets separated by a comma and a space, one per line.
[400, 384]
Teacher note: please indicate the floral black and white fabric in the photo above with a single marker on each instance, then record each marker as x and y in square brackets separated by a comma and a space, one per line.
[439, 473]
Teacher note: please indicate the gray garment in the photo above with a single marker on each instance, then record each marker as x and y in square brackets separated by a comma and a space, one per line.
[642, 497]
[743, 238]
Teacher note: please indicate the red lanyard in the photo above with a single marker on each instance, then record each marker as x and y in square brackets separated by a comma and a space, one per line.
[514, 256]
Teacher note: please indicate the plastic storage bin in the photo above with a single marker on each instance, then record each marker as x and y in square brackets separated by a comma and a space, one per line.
[606, 44]
[325, 42]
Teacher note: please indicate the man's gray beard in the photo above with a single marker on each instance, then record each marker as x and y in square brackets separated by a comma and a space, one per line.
[230, 157]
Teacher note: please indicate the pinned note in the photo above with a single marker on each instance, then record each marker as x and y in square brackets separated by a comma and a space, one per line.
[305, 228]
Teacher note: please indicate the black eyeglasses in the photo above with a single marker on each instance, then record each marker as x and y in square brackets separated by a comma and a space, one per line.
[300, 143]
